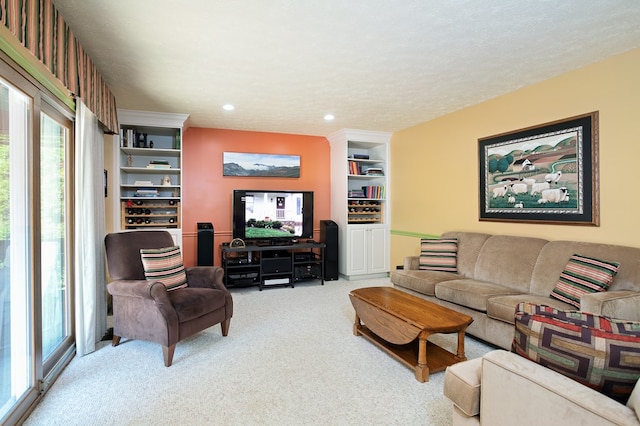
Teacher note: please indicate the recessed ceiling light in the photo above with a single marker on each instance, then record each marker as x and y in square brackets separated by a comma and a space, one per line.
[228, 107]
[329, 117]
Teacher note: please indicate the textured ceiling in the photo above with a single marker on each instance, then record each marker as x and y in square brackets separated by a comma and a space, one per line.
[375, 64]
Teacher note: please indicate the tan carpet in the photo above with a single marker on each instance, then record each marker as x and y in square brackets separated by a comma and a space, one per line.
[290, 359]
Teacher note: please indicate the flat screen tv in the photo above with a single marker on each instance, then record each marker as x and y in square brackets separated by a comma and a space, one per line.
[272, 214]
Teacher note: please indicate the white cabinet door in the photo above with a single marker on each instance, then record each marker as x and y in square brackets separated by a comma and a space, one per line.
[378, 248]
[357, 258]
[368, 250]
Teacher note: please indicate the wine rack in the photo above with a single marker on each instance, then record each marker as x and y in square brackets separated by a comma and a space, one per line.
[365, 211]
[137, 214]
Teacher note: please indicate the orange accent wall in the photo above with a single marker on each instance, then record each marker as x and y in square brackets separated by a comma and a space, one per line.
[207, 195]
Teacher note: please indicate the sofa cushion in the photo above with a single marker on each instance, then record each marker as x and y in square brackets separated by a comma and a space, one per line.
[470, 293]
[583, 275]
[193, 302]
[508, 261]
[164, 265]
[421, 281]
[597, 351]
[503, 307]
[469, 246]
[438, 254]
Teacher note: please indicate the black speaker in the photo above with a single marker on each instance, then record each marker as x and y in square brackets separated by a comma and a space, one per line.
[329, 236]
[205, 244]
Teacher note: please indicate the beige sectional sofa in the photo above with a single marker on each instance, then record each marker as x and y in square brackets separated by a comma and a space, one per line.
[503, 388]
[496, 272]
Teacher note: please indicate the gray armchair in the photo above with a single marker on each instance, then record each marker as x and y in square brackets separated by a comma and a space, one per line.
[145, 310]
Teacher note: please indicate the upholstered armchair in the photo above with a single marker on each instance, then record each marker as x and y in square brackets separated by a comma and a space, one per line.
[148, 309]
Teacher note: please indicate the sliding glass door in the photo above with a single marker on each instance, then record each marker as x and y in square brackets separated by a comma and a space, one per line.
[54, 241]
[16, 294]
[36, 332]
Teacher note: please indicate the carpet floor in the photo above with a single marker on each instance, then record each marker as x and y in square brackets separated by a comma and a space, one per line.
[290, 359]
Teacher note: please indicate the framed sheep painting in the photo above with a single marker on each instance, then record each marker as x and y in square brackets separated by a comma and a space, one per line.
[542, 174]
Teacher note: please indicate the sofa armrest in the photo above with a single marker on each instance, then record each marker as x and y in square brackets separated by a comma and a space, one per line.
[131, 288]
[634, 399]
[205, 277]
[620, 304]
[462, 386]
[518, 391]
[153, 291]
[412, 263]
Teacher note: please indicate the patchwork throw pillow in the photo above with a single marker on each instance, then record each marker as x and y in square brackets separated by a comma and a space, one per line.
[164, 265]
[597, 351]
[439, 254]
[583, 275]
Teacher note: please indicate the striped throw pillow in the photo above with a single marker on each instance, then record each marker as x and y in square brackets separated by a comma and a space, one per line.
[164, 265]
[584, 275]
[439, 254]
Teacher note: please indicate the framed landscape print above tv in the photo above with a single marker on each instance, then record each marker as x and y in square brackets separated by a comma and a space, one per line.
[260, 165]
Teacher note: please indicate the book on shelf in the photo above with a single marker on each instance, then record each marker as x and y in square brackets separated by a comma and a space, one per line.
[359, 156]
[373, 191]
[124, 142]
[146, 192]
[354, 168]
[158, 164]
[127, 138]
[374, 171]
[143, 183]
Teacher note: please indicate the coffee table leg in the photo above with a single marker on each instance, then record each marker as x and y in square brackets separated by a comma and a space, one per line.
[460, 356]
[422, 369]
[357, 326]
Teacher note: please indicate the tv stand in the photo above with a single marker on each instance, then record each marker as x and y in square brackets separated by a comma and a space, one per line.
[279, 265]
[273, 242]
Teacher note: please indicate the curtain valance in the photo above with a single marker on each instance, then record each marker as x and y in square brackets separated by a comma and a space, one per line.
[39, 27]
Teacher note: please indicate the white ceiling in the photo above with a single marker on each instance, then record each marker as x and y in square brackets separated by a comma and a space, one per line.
[375, 64]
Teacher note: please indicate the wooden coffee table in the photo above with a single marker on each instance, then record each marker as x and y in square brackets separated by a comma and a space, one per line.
[400, 323]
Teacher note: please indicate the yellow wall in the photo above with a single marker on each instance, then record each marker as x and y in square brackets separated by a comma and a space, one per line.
[434, 178]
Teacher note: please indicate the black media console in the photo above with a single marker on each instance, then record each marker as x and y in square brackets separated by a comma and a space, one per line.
[272, 265]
